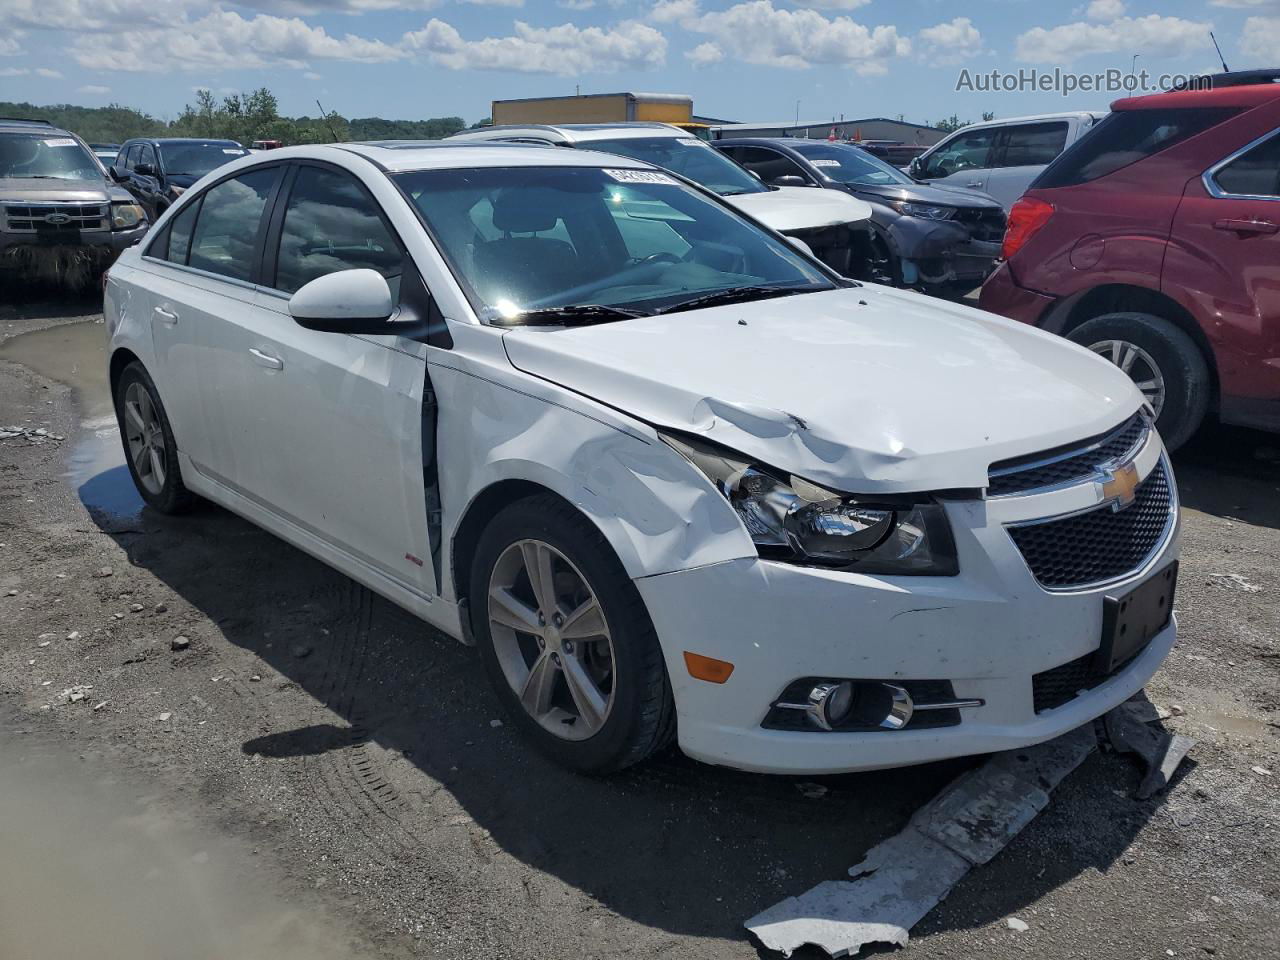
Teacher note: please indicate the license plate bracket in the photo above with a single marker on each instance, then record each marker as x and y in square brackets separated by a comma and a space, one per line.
[1131, 620]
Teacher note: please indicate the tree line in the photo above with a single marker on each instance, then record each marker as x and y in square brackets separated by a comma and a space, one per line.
[240, 117]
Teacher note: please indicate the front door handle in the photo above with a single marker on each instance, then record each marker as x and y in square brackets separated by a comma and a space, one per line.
[974, 184]
[266, 360]
[167, 316]
[1247, 226]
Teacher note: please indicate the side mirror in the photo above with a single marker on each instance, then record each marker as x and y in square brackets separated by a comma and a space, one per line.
[801, 246]
[145, 169]
[115, 174]
[790, 180]
[349, 301]
[915, 168]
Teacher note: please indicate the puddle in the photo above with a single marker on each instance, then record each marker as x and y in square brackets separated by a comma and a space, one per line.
[90, 868]
[75, 354]
[1241, 726]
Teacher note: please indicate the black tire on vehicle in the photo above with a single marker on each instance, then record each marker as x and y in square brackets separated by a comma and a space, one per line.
[161, 488]
[640, 716]
[1178, 362]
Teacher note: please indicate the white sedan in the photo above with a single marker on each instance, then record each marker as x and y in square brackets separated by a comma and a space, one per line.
[676, 479]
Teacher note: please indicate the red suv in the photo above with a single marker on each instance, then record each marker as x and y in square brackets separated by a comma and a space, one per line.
[1155, 242]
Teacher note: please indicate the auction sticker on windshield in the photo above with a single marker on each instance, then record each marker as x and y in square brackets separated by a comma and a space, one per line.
[60, 142]
[640, 176]
[825, 163]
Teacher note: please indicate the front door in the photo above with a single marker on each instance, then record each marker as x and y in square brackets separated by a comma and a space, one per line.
[961, 161]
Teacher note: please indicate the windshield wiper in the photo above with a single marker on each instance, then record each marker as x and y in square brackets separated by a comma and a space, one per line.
[733, 295]
[573, 315]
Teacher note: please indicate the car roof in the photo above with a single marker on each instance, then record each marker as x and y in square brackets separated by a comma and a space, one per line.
[214, 141]
[1250, 95]
[399, 156]
[573, 133]
[1034, 118]
[14, 125]
[785, 142]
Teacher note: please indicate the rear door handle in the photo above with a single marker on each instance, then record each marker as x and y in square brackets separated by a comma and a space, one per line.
[266, 360]
[167, 316]
[1247, 226]
[974, 184]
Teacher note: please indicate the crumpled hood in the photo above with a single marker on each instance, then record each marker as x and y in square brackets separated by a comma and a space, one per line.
[801, 208]
[36, 190]
[924, 193]
[864, 390]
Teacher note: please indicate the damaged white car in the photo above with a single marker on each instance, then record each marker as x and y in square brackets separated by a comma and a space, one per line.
[675, 478]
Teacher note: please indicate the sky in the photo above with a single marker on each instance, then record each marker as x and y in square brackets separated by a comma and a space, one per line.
[746, 60]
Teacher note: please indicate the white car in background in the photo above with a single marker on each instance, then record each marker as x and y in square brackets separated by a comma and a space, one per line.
[672, 476]
[1001, 158]
[837, 229]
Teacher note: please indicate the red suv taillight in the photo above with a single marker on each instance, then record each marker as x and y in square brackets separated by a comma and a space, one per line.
[1025, 220]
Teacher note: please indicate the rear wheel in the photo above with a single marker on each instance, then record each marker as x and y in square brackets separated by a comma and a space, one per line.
[1164, 363]
[149, 448]
[566, 640]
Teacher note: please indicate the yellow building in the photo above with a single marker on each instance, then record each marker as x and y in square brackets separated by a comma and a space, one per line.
[597, 108]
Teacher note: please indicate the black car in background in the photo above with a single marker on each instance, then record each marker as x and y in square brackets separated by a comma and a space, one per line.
[935, 239]
[157, 171]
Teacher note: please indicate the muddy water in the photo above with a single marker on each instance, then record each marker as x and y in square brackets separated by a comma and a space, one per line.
[91, 868]
[75, 354]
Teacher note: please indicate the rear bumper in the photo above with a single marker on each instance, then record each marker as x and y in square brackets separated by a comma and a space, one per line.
[1002, 295]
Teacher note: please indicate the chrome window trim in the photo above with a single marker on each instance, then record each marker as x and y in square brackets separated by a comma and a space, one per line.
[205, 274]
[1097, 473]
[1144, 566]
[1211, 184]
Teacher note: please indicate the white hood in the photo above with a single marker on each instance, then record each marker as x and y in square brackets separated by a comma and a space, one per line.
[802, 208]
[864, 390]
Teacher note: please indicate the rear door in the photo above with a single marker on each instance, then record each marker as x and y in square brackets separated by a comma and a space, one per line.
[1020, 152]
[963, 160]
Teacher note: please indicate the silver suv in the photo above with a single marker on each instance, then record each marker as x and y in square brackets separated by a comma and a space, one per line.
[62, 218]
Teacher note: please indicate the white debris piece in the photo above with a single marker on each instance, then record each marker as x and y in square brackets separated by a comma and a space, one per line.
[1234, 581]
[906, 876]
[1015, 924]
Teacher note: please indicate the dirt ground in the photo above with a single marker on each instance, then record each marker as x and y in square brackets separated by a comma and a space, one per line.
[349, 756]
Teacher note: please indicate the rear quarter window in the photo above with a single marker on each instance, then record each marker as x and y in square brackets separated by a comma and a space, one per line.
[1255, 173]
[1123, 138]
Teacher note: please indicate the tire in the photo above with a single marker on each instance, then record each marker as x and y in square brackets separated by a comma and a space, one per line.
[161, 489]
[1176, 360]
[640, 716]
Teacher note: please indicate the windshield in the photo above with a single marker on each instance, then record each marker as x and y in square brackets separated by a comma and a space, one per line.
[197, 159]
[846, 164]
[540, 238]
[46, 156]
[688, 157]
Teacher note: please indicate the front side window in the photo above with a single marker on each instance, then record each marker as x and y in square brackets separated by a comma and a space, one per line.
[197, 159]
[331, 224]
[853, 165]
[226, 231]
[767, 164]
[527, 239]
[1255, 173]
[45, 156]
[148, 155]
[1033, 144]
[687, 156]
[966, 151]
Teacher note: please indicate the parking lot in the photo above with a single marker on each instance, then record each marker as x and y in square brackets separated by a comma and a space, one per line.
[340, 753]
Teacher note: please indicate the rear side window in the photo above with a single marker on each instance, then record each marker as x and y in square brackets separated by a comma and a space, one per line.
[1255, 173]
[1033, 144]
[227, 228]
[769, 165]
[331, 224]
[173, 243]
[1125, 137]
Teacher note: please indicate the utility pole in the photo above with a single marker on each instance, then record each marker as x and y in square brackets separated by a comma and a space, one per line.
[1134, 64]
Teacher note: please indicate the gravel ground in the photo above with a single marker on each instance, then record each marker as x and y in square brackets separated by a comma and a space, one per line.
[355, 752]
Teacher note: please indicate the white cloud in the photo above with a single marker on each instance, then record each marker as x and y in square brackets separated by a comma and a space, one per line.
[1246, 4]
[9, 47]
[673, 11]
[576, 4]
[566, 49]
[46, 72]
[1260, 39]
[495, 3]
[832, 4]
[312, 75]
[226, 40]
[14, 71]
[1105, 10]
[94, 89]
[951, 42]
[704, 54]
[1154, 36]
[757, 32]
[112, 16]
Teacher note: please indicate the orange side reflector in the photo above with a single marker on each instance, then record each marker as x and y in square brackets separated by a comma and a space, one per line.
[707, 668]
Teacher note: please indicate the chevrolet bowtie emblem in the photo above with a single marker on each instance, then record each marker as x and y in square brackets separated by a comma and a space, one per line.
[1120, 486]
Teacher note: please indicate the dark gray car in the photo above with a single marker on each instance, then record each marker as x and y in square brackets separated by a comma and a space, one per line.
[935, 239]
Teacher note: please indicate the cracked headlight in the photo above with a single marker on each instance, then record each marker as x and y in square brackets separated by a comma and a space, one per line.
[125, 215]
[925, 211]
[791, 519]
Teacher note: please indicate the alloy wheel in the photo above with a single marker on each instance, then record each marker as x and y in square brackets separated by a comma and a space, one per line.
[145, 438]
[1139, 365]
[552, 640]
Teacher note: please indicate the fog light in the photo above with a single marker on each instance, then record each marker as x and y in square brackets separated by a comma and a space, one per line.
[829, 704]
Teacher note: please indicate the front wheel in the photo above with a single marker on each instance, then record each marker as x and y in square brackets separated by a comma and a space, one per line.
[566, 640]
[1163, 362]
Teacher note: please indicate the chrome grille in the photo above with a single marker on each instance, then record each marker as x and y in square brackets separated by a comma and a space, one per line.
[1066, 465]
[1100, 544]
[31, 218]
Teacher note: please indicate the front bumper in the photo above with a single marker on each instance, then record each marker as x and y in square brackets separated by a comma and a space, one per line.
[113, 240]
[989, 631]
